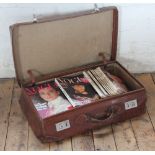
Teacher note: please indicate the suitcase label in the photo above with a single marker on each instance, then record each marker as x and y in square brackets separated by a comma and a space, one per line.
[62, 125]
[131, 104]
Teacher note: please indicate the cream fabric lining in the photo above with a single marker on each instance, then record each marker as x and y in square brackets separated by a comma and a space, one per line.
[58, 45]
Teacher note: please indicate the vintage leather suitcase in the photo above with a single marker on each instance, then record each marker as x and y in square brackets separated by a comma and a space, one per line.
[63, 44]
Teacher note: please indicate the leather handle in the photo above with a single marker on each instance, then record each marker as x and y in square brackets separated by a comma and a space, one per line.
[99, 118]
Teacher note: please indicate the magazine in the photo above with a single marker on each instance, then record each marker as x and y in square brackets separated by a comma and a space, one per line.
[93, 83]
[112, 84]
[48, 99]
[65, 93]
[118, 83]
[93, 77]
[77, 89]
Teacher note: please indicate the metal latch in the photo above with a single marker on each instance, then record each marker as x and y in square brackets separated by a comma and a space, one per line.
[96, 8]
[35, 19]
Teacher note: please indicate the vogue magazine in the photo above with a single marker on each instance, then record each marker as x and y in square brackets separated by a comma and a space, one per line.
[77, 89]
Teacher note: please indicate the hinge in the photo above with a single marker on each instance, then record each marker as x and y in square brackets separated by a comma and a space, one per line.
[35, 19]
[96, 8]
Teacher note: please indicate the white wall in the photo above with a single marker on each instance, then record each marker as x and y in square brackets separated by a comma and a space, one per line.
[136, 40]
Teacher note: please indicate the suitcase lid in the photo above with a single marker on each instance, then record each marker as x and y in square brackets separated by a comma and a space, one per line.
[60, 42]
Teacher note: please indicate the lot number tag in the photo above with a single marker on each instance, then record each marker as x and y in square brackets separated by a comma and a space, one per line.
[131, 104]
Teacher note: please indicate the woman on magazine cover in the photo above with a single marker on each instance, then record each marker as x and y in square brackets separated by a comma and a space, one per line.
[84, 93]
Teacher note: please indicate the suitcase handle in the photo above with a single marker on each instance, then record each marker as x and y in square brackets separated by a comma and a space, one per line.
[99, 118]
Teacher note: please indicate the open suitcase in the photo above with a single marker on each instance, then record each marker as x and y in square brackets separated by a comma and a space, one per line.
[64, 44]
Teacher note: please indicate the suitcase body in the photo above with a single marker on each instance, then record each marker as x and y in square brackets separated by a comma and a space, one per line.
[104, 111]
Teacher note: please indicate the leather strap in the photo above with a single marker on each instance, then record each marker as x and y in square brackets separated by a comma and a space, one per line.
[102, 57]
[32, 77]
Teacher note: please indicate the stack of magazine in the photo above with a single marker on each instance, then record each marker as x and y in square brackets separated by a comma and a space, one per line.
[70, 91]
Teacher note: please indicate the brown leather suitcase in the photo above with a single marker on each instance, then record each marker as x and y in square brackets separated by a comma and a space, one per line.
[59, 45]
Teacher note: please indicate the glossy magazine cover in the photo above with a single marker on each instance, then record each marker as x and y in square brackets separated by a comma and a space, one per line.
[77, 89]
[48, 99]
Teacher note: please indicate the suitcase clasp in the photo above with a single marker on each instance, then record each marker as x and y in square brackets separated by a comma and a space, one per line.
[35, 19]
[96, 8]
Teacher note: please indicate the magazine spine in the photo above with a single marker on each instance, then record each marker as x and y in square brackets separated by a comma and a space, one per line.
[65, 93]
[100, 93]
[97, 83]
[105, 81]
